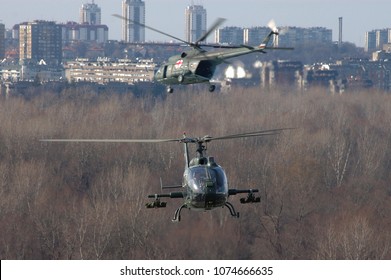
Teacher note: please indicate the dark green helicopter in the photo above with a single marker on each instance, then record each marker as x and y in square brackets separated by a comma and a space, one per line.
[198, 65]
[204, 185]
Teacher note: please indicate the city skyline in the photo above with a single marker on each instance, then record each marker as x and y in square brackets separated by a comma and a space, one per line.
[170, 17]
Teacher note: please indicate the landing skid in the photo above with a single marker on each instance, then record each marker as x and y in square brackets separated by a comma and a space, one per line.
[231, 209]
[177, 215]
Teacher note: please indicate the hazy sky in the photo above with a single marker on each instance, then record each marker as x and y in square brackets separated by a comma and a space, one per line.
[168, 15]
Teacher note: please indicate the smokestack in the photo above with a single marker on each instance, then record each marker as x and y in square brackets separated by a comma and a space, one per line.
[340, 32]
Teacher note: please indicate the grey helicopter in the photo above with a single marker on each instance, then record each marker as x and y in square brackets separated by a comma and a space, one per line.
[199, 65]
[204, 186]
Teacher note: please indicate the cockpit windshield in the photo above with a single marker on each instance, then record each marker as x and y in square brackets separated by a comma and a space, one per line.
[201, 177]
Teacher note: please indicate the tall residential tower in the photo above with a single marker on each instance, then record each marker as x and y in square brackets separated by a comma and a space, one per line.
[195, 16]
[375, 39]
[90, 13]
[133, 10]
[2, 41]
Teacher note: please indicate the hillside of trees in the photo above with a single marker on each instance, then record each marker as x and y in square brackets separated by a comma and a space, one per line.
[325, 186]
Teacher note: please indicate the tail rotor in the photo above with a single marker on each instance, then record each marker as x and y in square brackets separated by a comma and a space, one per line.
[273, 26]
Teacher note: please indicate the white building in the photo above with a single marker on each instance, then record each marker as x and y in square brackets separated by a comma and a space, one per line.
[105, 71]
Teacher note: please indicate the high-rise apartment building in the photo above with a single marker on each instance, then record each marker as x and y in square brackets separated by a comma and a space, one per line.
[90, 27]
[381, 38]
[255, 35]
[195, 16]
[298, 36]
[375, 39]
[229, 35]
[40, 40]
[291, 37]
[2, 41]
[133, 10]
[73, 31]
[90, 13]
[370, 41]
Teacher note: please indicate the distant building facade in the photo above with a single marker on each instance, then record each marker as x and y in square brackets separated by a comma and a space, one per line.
[296, 36]
[370, 41]
[133, 10]
[255, 35]
[291, 36]
[73, 31]
[15, 31]
[196, 20]
[381, 38]
[375, 39]
[229, 35]
[283, 74]
[105, 71]
[40, 41]
[2, 41]
[90, 13]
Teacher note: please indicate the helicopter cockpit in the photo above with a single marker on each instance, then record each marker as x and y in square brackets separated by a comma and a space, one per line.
[206, 183]
[199, 178]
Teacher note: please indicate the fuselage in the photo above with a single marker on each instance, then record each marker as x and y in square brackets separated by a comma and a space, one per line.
[197, 66]
[186, 69]
[205, 185]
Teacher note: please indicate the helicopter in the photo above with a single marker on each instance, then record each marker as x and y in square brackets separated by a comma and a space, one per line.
[204, 185]
[199, 65]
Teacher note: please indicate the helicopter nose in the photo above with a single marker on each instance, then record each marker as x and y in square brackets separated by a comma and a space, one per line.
[211, 195]
[209, 184]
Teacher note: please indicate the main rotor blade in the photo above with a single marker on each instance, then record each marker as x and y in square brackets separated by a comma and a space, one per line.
[112, 140]
[151, 28]
[220, 46]
[278, 48]
[179, 140]
[248, 134]
[216, 24]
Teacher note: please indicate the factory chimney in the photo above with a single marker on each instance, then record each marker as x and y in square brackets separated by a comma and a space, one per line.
[340, 33]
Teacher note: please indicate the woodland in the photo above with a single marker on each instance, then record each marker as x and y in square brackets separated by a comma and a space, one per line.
[324, 185]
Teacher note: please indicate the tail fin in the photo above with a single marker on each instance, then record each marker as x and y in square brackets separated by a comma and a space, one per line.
[266, 41]
[274, 32]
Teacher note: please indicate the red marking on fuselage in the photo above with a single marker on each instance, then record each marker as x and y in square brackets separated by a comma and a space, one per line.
[179, 63]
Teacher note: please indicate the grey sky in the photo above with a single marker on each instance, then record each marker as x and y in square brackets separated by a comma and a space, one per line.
[359, 15]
